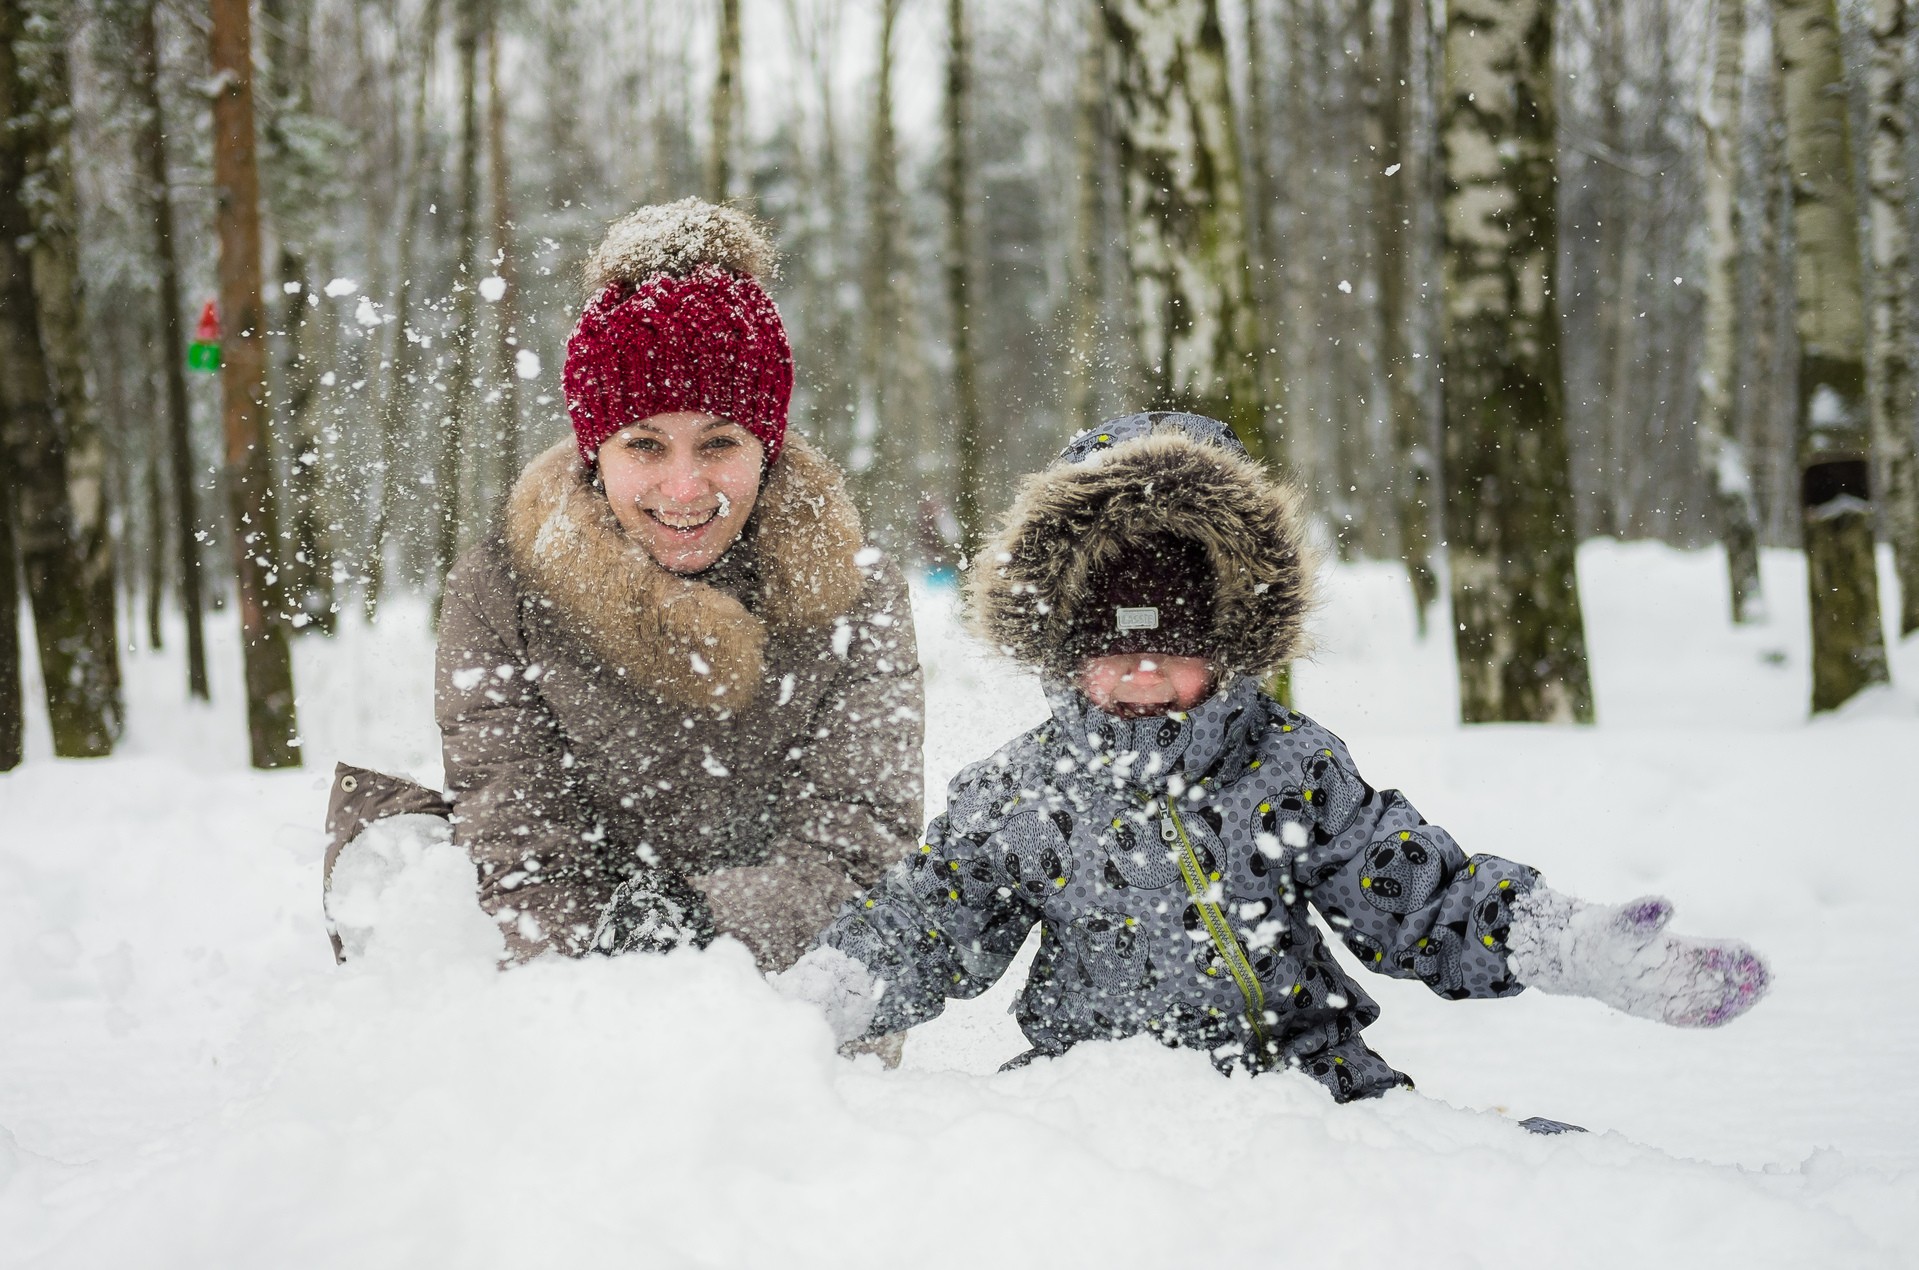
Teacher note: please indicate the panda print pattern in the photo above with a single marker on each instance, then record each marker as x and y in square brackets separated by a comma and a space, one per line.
[1071, 827]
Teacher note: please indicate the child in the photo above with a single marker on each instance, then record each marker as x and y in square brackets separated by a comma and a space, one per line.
[1169, 824]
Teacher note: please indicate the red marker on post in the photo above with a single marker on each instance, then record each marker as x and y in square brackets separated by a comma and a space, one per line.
[203, 354]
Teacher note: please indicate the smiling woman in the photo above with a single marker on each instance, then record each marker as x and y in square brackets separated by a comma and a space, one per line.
[682, 485]
[678, 696]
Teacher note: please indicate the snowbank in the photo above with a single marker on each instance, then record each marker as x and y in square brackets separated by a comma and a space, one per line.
[187, 1080]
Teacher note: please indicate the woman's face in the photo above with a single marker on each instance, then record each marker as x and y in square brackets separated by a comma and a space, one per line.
[682, 485]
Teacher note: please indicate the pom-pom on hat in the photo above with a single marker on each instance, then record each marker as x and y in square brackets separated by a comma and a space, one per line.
[677, 320]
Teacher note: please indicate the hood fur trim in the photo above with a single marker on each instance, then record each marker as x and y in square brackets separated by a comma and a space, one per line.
[660, 628]
[676, 239]
[1030, 581]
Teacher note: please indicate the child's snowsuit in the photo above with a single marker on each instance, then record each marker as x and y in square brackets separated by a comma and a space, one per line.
[1170, 860]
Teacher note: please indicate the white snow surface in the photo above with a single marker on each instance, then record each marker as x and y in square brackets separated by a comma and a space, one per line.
[186, 1078]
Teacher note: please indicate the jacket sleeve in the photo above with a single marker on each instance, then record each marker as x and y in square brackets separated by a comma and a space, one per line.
[944, 922]
[851, 797]
[1399, 892]
[515, 808]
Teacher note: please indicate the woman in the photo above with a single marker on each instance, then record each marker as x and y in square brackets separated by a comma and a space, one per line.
[677, 695]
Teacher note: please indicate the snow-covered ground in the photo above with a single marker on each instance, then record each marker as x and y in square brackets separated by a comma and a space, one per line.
[187, 1080]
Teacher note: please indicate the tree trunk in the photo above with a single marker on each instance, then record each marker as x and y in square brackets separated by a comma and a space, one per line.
[1509, 510]
[12, 698]
[1895, 395]
[884, 257]
[1196, 322]
[173, 352]
[1393, 182]
[506, 320]
[44, 130]
[1721, 457]
[958, 189]
[462, 398]
[726, 104]
[30, 431]
[308, 569]
[272, 728]
[403, 354]
[1089, 126]
[1835, 488]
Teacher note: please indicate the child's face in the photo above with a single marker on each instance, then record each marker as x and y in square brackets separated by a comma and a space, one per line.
[1133, 685]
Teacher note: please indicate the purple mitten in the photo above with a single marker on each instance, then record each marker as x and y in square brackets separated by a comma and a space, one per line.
[1620, 954]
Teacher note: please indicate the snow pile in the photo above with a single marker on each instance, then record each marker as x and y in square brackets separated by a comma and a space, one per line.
[186, 1079]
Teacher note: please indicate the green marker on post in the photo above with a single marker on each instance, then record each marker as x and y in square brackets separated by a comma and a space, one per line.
[203, 354]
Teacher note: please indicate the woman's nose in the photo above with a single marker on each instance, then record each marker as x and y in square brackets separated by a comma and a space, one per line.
[682, 481]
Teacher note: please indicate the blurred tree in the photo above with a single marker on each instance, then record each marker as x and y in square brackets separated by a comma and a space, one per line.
[44, 131]
[1836, 513]
[1519, 633]
[457, 425]
[272, 727]
[1895, 394]
[173, 349]
[1395, 185]
[80, 701]
[726, 105]
[1197, 323]
[1721, 456]
[404, 347]
[957, 188]
[506, 320]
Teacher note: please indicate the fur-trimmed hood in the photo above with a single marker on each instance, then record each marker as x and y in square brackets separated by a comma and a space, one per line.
[689, 641]
[1118, 485]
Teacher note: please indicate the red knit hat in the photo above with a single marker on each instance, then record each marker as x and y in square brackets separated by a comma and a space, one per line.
[679, 321]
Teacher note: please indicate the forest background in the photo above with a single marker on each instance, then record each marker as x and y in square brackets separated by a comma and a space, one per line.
[1487, 277]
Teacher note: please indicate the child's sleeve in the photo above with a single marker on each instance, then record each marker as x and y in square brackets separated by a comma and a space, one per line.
[1399, 892]
[943, 922]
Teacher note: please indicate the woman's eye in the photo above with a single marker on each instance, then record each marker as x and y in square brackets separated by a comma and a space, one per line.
[717, 444]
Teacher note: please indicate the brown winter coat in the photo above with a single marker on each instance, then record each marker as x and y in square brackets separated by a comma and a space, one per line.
[756, 728]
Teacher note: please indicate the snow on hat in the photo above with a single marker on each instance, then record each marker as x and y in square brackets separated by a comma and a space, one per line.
[678, 320]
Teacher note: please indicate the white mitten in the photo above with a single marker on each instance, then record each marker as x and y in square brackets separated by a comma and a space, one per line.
[844, 990]
[1620, 954]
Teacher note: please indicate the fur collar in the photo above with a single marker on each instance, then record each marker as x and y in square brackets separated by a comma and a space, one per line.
[1031, 579]
[689, 641]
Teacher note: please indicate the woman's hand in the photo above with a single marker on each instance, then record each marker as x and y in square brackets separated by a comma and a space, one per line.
[653, 911]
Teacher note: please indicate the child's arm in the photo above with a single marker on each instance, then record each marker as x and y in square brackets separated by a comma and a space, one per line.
[941, 924]
[1409, 903]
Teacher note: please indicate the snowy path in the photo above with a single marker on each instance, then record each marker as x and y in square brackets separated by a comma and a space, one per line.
[186, 1080]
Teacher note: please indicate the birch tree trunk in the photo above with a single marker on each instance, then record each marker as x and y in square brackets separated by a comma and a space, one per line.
[272, 727]
[726, 104]
[1396, 172]
[30, 432]
[1196, 323]
[1835, 488]
[12, 698]
[173, 351]
[1519, 633]
[1721, 457]
[1895, 389]
[957, 189]
[44, 132]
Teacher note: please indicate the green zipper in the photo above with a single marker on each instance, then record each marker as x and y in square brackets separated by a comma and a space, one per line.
[1197, 885]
